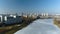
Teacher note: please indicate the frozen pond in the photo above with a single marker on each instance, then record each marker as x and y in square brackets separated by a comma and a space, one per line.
[41, 26]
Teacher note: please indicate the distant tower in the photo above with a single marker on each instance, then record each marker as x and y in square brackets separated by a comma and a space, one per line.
[22, 14]
[16, 14]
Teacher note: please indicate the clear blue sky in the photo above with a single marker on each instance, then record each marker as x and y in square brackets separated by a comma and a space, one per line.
[34, 6]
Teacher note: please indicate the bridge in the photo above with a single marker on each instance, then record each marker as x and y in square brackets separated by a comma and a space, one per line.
[14, 28]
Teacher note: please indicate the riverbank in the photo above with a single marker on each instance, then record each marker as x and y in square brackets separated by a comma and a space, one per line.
[14, 28]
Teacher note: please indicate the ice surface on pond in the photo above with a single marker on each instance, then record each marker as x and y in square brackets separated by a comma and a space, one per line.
[41, 26]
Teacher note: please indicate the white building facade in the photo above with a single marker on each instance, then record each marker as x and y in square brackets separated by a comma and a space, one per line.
[3, 18]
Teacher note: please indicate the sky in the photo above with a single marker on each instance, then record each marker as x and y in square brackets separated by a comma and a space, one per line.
[40, 26]
[30, 6]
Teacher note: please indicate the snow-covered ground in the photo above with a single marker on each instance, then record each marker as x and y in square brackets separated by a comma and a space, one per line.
[41, 26]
